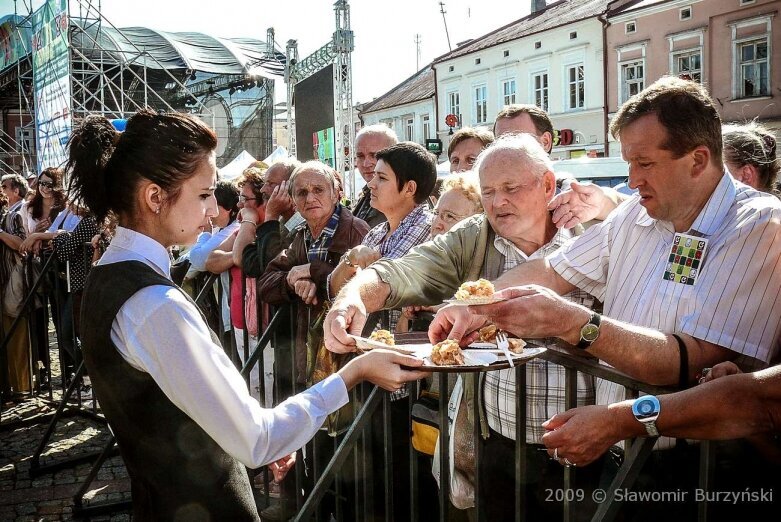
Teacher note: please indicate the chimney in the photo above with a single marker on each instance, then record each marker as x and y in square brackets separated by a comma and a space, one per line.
[537, 5]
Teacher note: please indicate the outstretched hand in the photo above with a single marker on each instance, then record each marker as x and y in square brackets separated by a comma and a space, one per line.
[581, 435]
[388, 370]
[581, 203]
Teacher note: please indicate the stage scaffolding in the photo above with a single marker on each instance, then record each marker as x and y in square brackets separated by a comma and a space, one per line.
[116, 72]
[338, 53]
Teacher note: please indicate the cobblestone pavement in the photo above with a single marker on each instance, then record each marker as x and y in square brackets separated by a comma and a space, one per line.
[26, 496]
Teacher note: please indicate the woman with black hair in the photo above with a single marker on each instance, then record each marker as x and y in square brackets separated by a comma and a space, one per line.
[181, 413]
[47, 201]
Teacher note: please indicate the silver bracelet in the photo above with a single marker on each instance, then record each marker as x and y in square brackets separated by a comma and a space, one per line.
[249, 221]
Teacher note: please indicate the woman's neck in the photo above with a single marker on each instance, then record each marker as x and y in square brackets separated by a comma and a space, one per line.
[396, 216]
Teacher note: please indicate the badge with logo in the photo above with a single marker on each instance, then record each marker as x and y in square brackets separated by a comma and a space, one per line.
[686, 256]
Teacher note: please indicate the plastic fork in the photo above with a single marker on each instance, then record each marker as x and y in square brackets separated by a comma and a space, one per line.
[504, 345]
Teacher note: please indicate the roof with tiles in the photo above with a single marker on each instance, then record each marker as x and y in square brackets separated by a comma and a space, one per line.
[419, 86]
[555, 15]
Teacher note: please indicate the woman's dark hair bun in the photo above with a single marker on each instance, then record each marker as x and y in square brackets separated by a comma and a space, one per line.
[90, 148]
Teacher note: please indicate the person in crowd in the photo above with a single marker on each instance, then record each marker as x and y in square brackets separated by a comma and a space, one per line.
[222, 258]
[516, 182]
[525, 118]
[750, 155]
[299, 273]
[404, 177]
[459, 199]
[242, 299]
[661, 325]
[223, 225]
[279, 222]
[368, 141]
[12, 234]
[465, 146]
[47, 201]
[184, 420]
[728, 404]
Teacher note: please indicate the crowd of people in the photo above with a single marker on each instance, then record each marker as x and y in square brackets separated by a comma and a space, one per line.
[675, 285]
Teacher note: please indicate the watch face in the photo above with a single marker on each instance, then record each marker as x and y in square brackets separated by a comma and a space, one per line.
[646, 406]
[590, 332]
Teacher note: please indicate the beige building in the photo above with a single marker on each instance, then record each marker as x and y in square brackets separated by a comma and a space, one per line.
[728, 45]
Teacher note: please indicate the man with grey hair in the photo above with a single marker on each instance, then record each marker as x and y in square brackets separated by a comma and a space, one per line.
[368, 142]
[280, 219]
[517, 182]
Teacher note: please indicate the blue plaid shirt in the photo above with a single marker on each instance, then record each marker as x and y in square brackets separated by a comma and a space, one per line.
[413, 230]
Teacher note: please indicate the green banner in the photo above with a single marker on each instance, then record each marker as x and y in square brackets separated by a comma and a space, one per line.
[14, 41]
[51, 82]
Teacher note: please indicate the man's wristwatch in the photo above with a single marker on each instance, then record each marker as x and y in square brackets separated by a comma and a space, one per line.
[590, 331]
[646, 410]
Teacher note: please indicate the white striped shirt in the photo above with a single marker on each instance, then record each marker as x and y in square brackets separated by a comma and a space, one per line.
[735, 302]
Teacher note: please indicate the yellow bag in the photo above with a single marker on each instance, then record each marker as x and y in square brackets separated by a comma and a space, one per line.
[425, 422]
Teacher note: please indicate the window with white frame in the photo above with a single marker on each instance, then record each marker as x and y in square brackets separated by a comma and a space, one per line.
[481, 104]
[409, 129]
[454, 104]
[24, 140]
[753, 60]
[426, 119]
[632, 79]
[688, 64]
[508, 91]
[540, 90]
[576, 87]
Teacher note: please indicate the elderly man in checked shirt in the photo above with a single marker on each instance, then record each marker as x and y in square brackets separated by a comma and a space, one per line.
[688, 271]
[517, 182]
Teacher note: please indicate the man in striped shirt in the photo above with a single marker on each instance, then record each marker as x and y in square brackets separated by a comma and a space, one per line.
[688, 269]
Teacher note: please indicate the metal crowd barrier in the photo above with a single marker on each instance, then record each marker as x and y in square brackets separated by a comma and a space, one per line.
[322, 489]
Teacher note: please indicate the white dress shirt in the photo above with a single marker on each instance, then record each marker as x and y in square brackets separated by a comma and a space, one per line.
[735, 303]
[159, 331]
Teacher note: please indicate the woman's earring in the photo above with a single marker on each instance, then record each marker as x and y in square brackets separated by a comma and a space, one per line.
[157, 210]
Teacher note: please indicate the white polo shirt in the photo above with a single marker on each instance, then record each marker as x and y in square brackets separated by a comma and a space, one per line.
[734, 302]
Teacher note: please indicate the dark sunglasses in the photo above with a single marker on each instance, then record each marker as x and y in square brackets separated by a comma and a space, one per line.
[47, 184]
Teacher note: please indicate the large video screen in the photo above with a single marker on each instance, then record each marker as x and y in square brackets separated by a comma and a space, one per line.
[314, 102]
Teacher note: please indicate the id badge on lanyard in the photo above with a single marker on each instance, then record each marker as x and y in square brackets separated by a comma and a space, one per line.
[686, 257]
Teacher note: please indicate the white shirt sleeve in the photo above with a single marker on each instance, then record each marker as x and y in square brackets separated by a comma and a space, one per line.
[205, 245]
[584, 261]
[158, 331]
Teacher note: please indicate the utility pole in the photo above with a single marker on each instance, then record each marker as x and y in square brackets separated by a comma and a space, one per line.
[442, 10]
[417, 51]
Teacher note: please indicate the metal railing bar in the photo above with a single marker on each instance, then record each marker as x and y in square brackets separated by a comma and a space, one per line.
[340, 456]
[626, 476]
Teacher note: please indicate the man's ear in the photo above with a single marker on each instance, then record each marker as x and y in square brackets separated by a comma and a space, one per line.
[547, 141]
[549, 183]
[701, 159]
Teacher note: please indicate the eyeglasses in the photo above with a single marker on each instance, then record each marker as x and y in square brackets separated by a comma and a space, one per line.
[47, 184]
[447, 216]
[243, 199]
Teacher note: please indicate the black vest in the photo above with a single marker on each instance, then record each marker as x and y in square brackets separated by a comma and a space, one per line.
[177, 471]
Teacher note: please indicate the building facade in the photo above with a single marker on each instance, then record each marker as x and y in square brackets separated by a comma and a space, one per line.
[552, 58]
[408, 108]
[728, 45]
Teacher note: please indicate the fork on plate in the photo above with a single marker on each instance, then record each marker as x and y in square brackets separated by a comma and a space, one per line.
[504, 345]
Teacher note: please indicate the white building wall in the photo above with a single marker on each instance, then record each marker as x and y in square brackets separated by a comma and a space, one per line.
[396, 118]
[520, 60]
